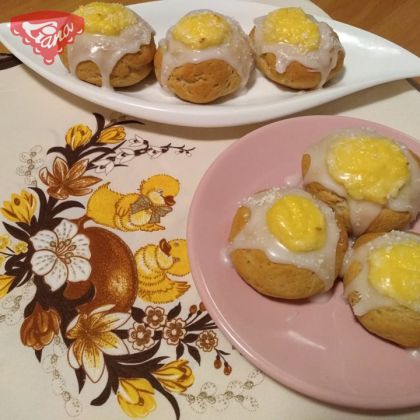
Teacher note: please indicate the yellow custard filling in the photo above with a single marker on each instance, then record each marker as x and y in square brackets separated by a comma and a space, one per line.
[394, 271]
[292, 26]
[297, 223]
[202, 30]
[106, 18]
[369, 168]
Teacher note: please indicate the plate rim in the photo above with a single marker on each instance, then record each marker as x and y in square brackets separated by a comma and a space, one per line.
[181, 115]
[299, 386]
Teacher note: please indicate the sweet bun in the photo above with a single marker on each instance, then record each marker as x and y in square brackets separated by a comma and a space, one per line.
[116, 49]
[205, 56]
[371, 181]
[382, 285]
[286, 244]
[200, 83]
[294, 50]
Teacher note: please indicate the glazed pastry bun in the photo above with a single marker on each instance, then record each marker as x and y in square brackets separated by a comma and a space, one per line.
[116, 49]
[287, 244]
[294, 50]
[205, 56]
[371, 181]
[382, 284]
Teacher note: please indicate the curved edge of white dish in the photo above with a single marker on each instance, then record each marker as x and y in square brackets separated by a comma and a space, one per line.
[403, 65]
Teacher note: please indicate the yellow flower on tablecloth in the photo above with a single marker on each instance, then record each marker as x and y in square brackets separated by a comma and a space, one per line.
[20, 248]
[5, 283]
[175, 376]
[4, 242]
[20, 208]
[136, 397]
[78, 136]
[93, 336]
[112, 135]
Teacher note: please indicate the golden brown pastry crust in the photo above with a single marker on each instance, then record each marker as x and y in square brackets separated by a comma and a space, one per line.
[398, 324]
[202, 82]
[386, 220]
[275, 279]
[296, 76]
[129, 70]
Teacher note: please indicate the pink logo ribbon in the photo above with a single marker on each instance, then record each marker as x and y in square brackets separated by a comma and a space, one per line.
[47, 31]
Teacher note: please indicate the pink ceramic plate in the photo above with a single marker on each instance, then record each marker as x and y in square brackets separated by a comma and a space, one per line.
[316, 348]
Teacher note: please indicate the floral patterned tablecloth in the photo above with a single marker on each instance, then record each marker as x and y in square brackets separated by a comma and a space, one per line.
[99, 317]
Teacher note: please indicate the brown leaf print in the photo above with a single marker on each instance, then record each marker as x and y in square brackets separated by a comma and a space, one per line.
[65, 181]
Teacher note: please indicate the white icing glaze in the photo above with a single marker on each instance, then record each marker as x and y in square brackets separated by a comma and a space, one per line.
[236, 52]
[414, 353]
[224, 257]
[322, 60]
[362, 213]
[370, 298]
[293, 180]
[255, 235]
[106, 50]
[322, 298]
[347, 258]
